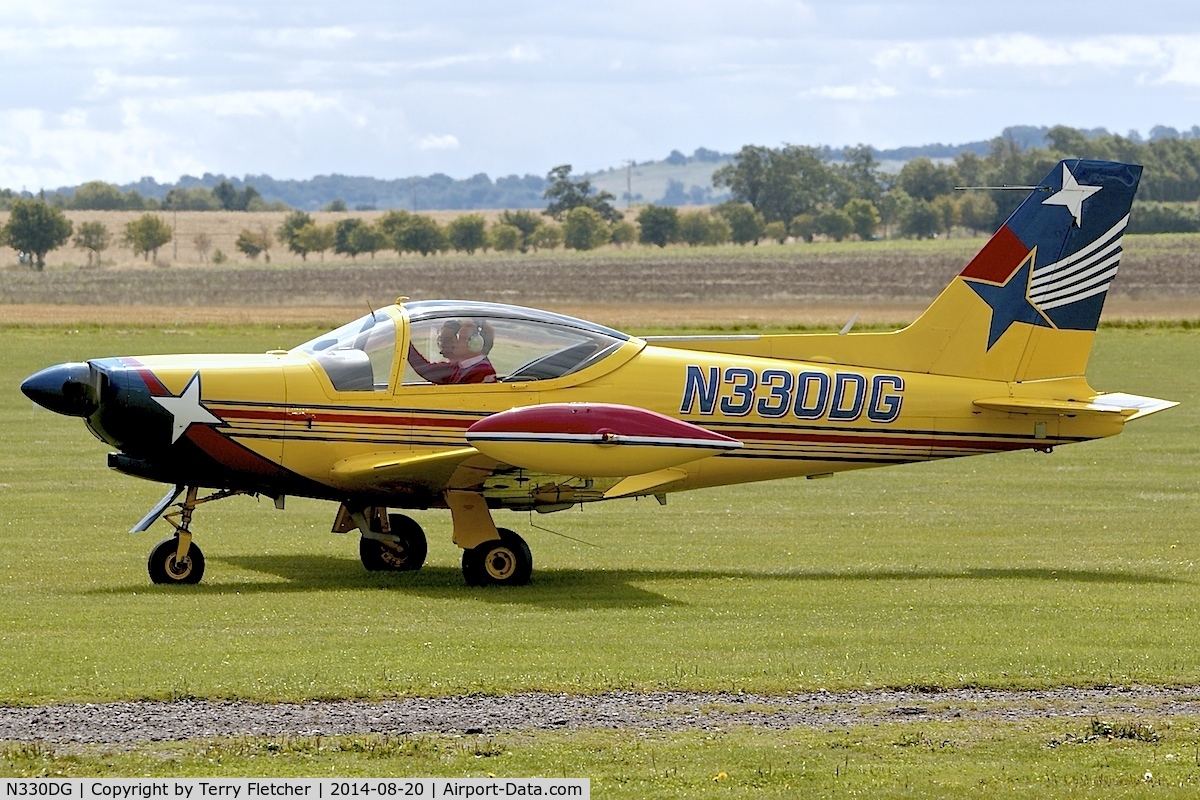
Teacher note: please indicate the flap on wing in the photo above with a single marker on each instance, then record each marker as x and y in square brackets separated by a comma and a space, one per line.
[642, 484]
[377, 470]
[1129, 406]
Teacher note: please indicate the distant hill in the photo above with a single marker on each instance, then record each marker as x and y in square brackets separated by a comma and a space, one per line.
[432, 192]
[675, 180]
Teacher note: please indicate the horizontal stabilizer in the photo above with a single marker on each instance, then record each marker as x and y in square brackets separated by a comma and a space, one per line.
[1128, 406]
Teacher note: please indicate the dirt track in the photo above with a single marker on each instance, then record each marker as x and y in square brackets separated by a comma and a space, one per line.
[768, 285]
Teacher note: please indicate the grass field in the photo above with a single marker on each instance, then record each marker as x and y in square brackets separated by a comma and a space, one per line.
[1010, 570]
[1065, 758]
[1013, 570]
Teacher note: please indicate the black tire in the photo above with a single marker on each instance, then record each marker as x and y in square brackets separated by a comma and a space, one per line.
[406, 555]
[503, 562]
[164, 569]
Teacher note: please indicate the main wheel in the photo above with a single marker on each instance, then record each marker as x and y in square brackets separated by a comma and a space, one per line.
[164, 568]
[406, 554]
[503, 562]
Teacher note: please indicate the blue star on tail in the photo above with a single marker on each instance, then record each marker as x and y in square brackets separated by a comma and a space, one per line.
[1009, 302]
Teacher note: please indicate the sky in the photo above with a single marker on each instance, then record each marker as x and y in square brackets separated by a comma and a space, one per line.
[117, 90]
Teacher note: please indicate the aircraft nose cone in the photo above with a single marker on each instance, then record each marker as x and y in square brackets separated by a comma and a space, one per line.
[63, 388]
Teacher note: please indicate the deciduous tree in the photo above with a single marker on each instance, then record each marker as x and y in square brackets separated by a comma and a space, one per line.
[93, 237]
[526, 222]
[565, 195]
[584, 229]
[776, 230]
[343, 242]
[423, 235]
[659, 225]
[978, 212]
[745, 224]
[549, 236]
[291, 225]
[146, 234]
[864, 215]
[835, 223]
[781, 183]
[467, 232]
[504, 237]
[920, 220]
[316, 238]
[392, 225]
[366, 238]
[924, 180]
[254, 242]
[804, 226]
[36, 228]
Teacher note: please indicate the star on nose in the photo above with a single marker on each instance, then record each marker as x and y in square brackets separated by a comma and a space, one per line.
[1072, 194]
[186, 409]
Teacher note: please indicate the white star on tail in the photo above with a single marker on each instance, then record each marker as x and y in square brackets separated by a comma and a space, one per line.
[1072, 195]
[186, 409]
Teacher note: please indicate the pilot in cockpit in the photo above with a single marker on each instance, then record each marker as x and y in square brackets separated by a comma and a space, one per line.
[465, 345]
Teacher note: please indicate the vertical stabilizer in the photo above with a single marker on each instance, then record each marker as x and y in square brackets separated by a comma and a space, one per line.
[1027, 306]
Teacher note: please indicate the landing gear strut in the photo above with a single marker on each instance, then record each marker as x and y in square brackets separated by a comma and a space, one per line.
[177, 560]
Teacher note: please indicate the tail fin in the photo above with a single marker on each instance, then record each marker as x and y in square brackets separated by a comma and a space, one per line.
[1027, 306]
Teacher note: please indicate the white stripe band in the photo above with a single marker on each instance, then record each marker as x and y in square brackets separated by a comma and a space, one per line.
[1054, 290]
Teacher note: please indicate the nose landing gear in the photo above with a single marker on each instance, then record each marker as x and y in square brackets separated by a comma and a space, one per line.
[178, 560]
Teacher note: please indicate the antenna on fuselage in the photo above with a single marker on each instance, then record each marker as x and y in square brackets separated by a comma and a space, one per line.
[848, 325]
[1004, 188]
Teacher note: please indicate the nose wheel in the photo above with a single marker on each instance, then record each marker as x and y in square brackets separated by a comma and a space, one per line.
[177, 560]
[165, 565]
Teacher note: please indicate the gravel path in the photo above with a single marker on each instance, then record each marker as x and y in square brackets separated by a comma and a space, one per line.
[129, 723]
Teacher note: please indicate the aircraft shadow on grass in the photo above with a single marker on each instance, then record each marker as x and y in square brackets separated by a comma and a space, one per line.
[592, 588]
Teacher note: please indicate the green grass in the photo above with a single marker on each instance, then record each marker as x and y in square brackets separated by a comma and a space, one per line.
[1039, 758]
[1014, 570]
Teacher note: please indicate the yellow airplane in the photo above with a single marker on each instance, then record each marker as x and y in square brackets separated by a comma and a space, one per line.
[478, 407]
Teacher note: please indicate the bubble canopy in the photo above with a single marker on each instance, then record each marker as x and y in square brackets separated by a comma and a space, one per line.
[519, 344]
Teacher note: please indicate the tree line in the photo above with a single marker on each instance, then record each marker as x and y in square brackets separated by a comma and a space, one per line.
[807, 193]
[778, 193]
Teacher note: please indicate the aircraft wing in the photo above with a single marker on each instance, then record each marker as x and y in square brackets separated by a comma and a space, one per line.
[462, 467]
[594, 440]
[587, 440]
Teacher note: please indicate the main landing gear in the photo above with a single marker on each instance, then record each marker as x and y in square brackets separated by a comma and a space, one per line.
[504, 562]
[393, 542]
[400, 548]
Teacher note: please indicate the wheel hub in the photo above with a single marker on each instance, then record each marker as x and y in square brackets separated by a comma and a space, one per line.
[178, 569]
[501, 563]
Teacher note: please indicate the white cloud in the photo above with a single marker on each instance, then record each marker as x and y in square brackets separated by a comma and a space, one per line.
[288, 103]
[862, 92]
[1025, 50]
[321, 37]
[523, 54]
[445, 142]
[39, 151]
